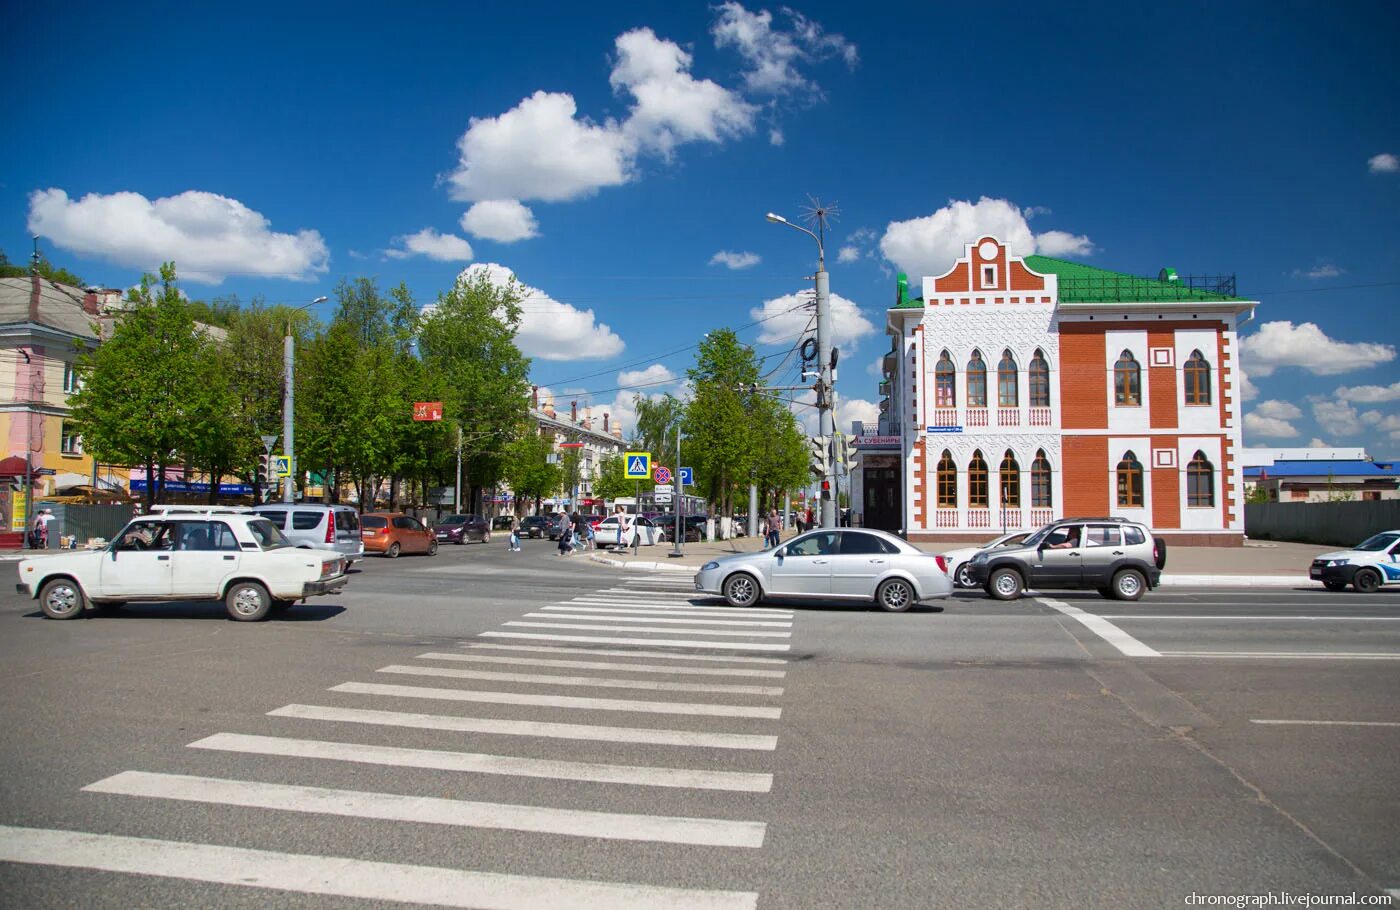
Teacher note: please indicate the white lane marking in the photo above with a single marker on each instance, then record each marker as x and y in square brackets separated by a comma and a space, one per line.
[628, 592]
[1289, 655]
[1125, 643]
[615, 652]
[562, 701]
[1329, 723]
[663, 618]
[660, 629]
[344, 877]
[481, 763]
[434, 810]
[585, 682]
[649, 642]
[544, 729]
[605, 665]
[631, 606]
[1271, 618]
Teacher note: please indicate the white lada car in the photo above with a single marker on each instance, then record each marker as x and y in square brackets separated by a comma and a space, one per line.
[241, 559]
[1366, 567]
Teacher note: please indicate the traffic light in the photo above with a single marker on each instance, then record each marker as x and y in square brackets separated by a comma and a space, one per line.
[821, 455]
[845, 451]
[263, 472]
[826, 489]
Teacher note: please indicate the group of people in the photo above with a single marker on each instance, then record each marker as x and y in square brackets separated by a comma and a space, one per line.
[577, 534]
[39, 529]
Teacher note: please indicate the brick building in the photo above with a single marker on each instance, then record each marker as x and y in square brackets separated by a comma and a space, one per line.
[1028, 389]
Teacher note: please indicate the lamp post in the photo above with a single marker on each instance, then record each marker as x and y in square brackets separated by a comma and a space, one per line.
[288, 407]
[825, 379]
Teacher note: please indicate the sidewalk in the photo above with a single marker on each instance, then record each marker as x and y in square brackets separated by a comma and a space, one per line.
[1256, 564]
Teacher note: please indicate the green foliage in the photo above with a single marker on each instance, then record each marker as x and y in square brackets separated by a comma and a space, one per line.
[720, 422]
[526, 466]
[47, 269]
[1257, 495]
[611, 480]
[655, 429]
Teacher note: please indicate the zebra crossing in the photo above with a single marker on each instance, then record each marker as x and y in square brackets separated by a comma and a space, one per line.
[691, 668]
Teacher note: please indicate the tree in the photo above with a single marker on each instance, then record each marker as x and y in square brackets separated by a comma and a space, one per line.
[146, 392]
[656, 422]
[719, 420]
[526, 467]
[612, 481]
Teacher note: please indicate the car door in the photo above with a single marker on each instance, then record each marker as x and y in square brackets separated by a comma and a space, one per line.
[1103, 547]
[138, 563]
[1059, 561]
[805, 566]
[858, 563]
[413, 537]
[206, 554]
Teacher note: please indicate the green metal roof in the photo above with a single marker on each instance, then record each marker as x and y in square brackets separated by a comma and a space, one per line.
[1081, 283]
[902, 300]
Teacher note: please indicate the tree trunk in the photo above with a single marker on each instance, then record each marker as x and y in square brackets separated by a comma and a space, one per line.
[150, 485]
[215, 475]
[160, 469]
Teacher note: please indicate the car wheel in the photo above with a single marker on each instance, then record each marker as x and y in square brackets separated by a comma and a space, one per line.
[1128, 585]
[1335, 585]
[895, 595]
[1005, 584]
[1159, 552]
[461, 540]
[1366, 581]
[963, 576]
[61, 599]
[486, 538]
[432, 548]
[247, 601]
[394, 550]
[741, 590]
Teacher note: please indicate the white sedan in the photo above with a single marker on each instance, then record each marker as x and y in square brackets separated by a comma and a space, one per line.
[959, 561]
[605, 535]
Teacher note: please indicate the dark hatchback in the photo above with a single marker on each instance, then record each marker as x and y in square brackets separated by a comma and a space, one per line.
[462, 528]
[534, 526]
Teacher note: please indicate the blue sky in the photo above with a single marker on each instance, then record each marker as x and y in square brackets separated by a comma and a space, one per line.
[610, 156]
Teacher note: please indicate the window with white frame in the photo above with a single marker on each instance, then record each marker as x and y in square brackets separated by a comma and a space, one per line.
[71, 381]
[71, 443]
[989, 276]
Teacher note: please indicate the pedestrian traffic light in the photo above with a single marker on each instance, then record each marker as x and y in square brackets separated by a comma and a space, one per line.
[826, 489]
[820, 452]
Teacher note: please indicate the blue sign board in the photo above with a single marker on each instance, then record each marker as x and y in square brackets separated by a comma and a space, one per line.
[687, 477]
[180, 486]
[945, 429]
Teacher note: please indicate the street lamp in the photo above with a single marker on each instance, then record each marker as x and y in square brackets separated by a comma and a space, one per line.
[826, 385]
[288, 404]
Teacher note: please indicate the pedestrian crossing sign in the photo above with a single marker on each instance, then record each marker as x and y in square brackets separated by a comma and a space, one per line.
[638, 466]
[282, 465]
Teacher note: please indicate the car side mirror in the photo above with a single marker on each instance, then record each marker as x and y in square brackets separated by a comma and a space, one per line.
[780, 552]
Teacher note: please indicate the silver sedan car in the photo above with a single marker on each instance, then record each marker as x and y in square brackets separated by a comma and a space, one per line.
[849, 564]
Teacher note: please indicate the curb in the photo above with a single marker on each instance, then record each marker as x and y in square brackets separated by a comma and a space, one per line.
[653, 566]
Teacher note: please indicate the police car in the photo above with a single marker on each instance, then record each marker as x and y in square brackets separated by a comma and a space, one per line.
[1368, 565]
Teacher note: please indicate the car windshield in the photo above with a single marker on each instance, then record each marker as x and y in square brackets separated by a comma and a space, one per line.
[267, 535]
[1377, 543]
[456, 519]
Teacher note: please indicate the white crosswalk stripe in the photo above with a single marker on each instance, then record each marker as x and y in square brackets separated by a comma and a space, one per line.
[652, 635]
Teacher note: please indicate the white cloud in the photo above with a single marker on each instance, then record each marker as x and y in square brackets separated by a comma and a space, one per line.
[877, 367]
[735, 260]
[775, 137]
[786, 317]
[1321, 270]
[654, 375]
[1388, 423]
[1248, 390]
[931, 244]
[551, 330]
[428, 242]
[1337, 417]
[1268, 427]
[773, 55]
[206, 235]
[1281, 410]
[1316, 443]
[1282, 344]
[1368, 394]
[1063, 243]
[502, 220]
[1384, 163]
[849, 409]
[848, 254]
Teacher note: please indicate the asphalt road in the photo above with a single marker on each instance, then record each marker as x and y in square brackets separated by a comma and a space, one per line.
[625, 746]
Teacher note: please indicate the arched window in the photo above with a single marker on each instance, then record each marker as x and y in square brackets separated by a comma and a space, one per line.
[1040, 481]
[1010, 482]
[1197, 380]
[977, 482]
[976, 381]
[1040, 381]
[945, 393]
[1200, 482]
[1130, 481]
[1008, 396]
[947, 484]
[1127, 381]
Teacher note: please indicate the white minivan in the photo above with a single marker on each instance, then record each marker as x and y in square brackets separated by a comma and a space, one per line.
[317, 525]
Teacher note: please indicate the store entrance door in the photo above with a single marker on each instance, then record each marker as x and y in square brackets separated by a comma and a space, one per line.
[884, 492]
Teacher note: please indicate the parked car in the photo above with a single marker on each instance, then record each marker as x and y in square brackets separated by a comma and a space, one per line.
[1366, 567]
[324, 527]
[393, 533]
[960, 561]
[501, 523]
[557, 523]
[644, 531]
[845, 565]
[241, 559]
[1116, 557]
[459, 529]
[536, 526]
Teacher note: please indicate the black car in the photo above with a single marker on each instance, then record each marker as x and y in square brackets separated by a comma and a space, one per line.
[534, 526]
[501, 523]
[461, 528]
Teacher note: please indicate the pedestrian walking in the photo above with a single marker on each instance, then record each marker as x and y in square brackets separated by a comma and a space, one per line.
[39, 532]
[514, 534]
[589, 535]
[625, 522]
[775, 530]
[566, 539]
[578, 525]
[621, 517]
[811, 519]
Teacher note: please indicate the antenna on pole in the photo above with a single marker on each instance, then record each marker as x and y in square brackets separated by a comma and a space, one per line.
[819, 216]
[35, 258]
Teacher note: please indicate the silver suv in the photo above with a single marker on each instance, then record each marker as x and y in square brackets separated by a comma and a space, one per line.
[319, 526]
[1114, 556]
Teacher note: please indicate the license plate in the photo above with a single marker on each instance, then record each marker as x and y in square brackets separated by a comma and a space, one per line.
[442, 537]
[366, 533]
[1315, 573]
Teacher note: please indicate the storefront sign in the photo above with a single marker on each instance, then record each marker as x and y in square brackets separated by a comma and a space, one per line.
[945, 429]
[870, 441]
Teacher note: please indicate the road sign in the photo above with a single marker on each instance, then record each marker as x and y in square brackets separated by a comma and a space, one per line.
[427, 410]
[687, 477]
[662, 499]
[661, 474]
[638, 466]
[44, 472]
[268, 442]
[282, 465]
[664, 488]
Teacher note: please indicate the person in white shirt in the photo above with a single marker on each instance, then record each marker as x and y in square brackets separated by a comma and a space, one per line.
[624, 528]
